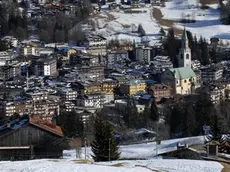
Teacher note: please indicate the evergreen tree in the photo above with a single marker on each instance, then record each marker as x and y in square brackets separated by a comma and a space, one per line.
[71, 124]
[190, 121]
[154, 111]
[204, 54]
[171, 46]
[162, 33]
[131, 114]
[141, 30]
[104, 145]
[213, 55]
[203, 109]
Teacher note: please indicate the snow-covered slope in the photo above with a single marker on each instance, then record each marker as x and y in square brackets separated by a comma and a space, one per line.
[116, 166]
[207, 21]
[121, 25]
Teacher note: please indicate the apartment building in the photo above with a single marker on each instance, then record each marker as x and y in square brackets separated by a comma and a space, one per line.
[46, 66]
[143, 54]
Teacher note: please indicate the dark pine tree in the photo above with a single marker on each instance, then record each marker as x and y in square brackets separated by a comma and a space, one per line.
[131, 114]
[141, 30]
[154, 115]
[213, 55]
[190, 121]
[104, 145]
[71, 124]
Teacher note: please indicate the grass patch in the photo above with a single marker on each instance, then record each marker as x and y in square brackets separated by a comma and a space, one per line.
[83, 162]
[118, 164]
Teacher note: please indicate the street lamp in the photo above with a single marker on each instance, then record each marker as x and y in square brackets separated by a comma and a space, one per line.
[109, 149]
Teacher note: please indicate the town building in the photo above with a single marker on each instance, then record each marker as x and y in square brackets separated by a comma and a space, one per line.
[143, 54]
[216, 92]
[4, 58]
[96, 45]
[116, 57]
[159, 91]
[211, 74]
[43, 107]
[181, 80]
[161, 62]
[6, 72]
[28, 50]
[108, 85]
[87, 87]
[91, 100]
[184, 57]
[68, 94]
[84, 60]
[46, 67]
[133, 87]
[90, 72]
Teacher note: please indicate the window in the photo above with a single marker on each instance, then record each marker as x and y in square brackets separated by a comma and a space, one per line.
[185, 81]
[187, 56]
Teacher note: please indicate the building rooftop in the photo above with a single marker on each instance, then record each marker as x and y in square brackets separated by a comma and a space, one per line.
[183, 72]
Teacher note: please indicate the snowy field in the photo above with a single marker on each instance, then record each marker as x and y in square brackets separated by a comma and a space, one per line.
[124, 25]
[140, 151]
[207, 21]
[116, 166]
[69, 163]
[121, 25]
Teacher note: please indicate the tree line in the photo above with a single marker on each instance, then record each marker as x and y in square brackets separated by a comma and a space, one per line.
[199, 48]
[13, 21]
[188, 115]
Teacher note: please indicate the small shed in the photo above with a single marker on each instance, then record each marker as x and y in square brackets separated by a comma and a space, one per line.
[212, 148]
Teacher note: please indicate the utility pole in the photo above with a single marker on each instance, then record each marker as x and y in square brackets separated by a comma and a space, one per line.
[156, 141]
[109, 149]
[85, 148]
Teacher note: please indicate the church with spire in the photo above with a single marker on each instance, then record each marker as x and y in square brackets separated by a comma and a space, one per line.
[182, 80]
[184, 57]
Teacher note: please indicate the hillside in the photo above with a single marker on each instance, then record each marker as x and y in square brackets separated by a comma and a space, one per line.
[117, 24]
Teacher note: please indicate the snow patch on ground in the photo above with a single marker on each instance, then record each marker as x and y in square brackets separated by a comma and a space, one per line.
[207, 21]
[140, 151]
[121, 25]
[62, 165]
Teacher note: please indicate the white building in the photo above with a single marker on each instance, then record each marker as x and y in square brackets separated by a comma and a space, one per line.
[11, 40]
[47, 67]
[92, 100]
[211, 73]
[162, 62]
[143, 54]
[4, 58]
[28, 51]
[184, 57]
[68, 94]
[96, 41]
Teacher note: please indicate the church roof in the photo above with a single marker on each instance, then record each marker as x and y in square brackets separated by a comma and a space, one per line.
[183, 72]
